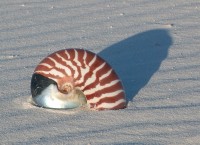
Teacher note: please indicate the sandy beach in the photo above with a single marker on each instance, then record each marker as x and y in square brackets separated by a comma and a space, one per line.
[153, 46]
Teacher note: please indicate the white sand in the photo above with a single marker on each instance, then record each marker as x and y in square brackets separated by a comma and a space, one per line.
[153, 45]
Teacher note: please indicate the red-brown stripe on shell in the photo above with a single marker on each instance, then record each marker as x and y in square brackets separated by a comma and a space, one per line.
[86, 71]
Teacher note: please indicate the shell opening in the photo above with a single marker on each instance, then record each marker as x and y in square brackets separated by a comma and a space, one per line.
[51, 97]
[46, 93]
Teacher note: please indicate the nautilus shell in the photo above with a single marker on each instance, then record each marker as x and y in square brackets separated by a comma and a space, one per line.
[73, 78]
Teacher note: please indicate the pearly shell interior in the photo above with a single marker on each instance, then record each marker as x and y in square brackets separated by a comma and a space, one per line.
[46, 94]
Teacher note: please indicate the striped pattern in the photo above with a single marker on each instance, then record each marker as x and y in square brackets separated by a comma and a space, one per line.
[82, 69]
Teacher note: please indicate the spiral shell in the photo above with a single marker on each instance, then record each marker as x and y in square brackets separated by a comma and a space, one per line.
[71, 78]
